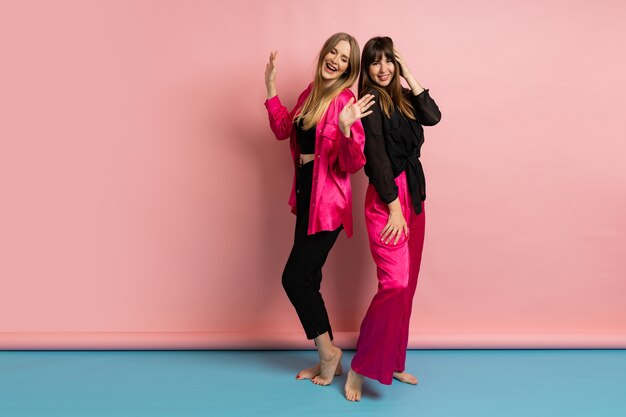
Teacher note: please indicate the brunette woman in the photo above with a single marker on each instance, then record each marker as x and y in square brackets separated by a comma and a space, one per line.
[394, 211]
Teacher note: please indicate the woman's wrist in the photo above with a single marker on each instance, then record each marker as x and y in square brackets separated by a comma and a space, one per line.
[345, 129]
[414, 85]
[394, 206]
[271, 89]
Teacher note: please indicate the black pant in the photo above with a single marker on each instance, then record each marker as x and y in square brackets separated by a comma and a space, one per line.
[303, 272]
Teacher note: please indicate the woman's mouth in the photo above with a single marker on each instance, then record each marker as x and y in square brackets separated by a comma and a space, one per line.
[383, 77]
[330, 67]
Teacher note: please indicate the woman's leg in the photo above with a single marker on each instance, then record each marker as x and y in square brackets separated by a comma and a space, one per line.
[381, 330]
[302, 279]
[380, 333]
[416, 225]
[330, 360]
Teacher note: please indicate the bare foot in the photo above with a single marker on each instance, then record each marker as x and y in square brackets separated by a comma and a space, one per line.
[328, 367]
[311, 373]
[354, 386]
[405, 377]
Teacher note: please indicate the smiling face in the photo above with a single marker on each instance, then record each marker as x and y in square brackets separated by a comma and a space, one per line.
[335, 62]
[381, 71]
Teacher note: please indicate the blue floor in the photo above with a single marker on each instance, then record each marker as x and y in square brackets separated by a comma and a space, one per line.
[463, 383]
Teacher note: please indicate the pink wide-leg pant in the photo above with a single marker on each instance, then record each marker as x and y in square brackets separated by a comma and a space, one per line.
[384, 336]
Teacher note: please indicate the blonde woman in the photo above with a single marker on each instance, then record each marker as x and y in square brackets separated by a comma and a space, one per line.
[326, 140]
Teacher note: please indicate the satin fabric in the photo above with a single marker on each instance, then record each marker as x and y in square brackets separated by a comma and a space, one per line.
[336, 157]
[384, 336]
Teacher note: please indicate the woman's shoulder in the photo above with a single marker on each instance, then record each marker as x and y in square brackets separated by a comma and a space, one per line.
[371, 91]
[345, 95]
[343, 98]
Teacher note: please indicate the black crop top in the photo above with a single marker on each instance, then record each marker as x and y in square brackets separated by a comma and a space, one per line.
[306, 138]
[392, 146]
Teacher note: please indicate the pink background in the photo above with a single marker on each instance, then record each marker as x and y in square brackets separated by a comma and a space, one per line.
[144, 199]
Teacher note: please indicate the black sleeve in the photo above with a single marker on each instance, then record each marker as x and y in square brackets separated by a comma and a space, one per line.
[425, 107]
[378, 165]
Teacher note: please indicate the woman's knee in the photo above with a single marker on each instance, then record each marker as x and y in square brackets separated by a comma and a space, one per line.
[290, 279]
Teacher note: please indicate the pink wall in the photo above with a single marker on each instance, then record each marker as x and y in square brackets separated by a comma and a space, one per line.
[144, 198]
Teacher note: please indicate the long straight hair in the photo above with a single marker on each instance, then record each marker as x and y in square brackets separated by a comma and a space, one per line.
[321, 95]
[392, 95]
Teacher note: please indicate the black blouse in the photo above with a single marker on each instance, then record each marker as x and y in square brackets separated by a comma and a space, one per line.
[392, 146]
[306, 138]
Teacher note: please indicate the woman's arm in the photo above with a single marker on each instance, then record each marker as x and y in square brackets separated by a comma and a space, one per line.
[405, 72]
[424, 105]
[426, 108]
[281, 121]
[379, 168]
[279, 116]
[380, 172]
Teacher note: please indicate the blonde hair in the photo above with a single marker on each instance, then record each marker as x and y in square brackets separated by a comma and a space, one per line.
[321, 95]
[391, 96]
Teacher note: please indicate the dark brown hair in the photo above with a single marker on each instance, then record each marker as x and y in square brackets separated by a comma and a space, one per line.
[391, 96]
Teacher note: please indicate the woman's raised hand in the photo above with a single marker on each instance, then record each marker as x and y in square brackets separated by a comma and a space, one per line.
[404, 68]
[406, 73]
[352, 112]
[270, 75]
